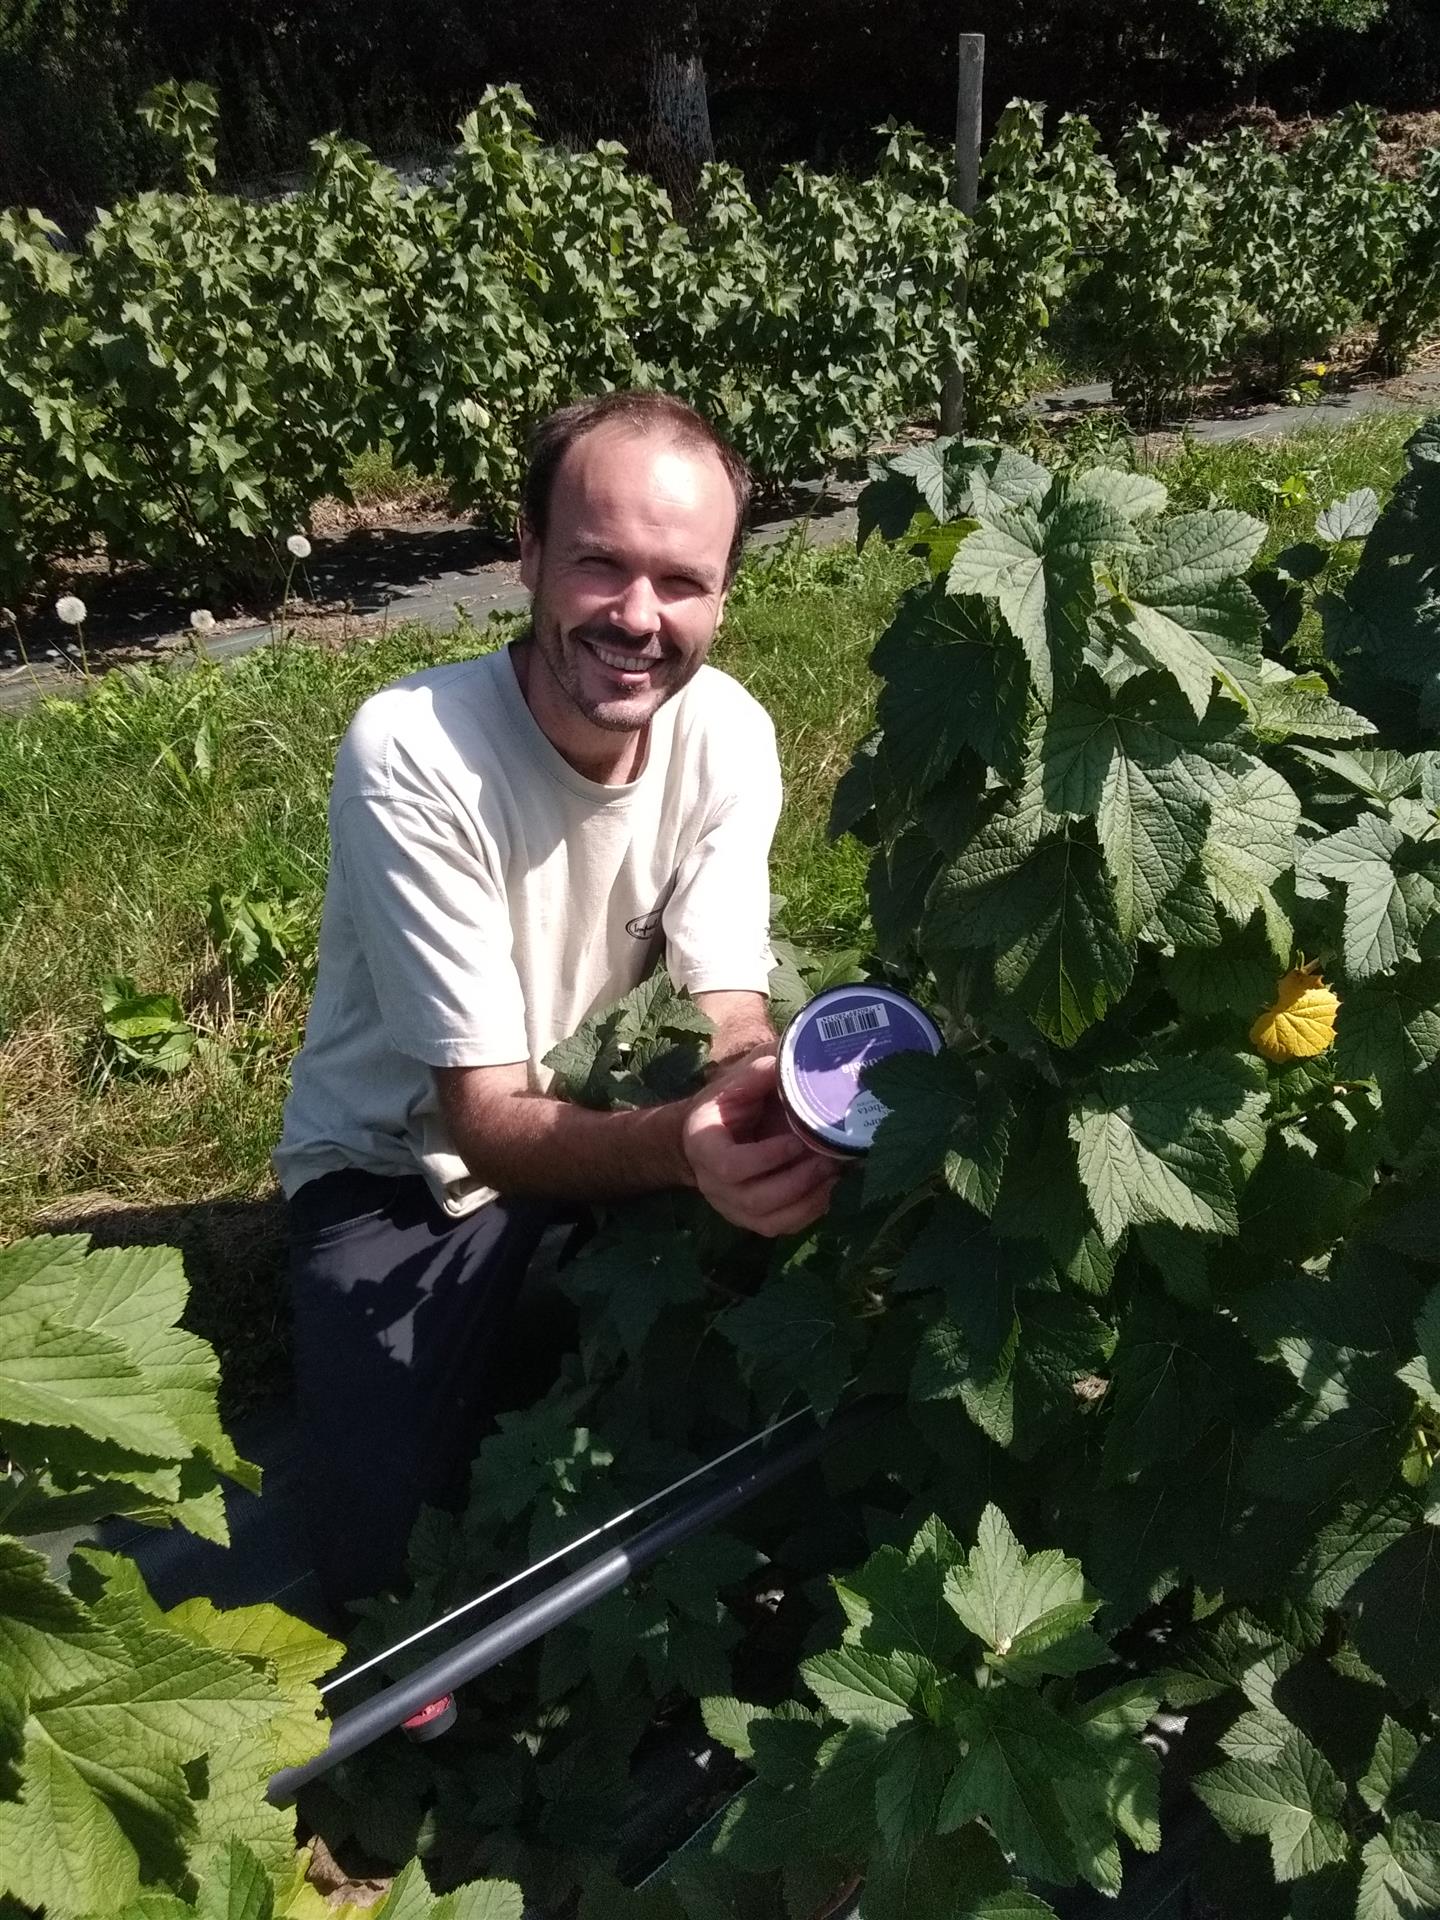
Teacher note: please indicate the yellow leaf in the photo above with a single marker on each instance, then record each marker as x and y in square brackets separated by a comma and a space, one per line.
[1302, 1021]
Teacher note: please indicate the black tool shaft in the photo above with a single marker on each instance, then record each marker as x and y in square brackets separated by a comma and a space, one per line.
[364, 1724]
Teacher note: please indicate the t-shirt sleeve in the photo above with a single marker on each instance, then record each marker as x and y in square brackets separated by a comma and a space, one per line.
[717, 920]
[432, 923]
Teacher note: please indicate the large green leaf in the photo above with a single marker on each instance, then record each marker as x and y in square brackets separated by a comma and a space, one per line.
[796, 1332]
[631, 1277]
[137, 1295]
[1385, 908]
[1401, 1878]
[1294, 1801]
[1301, 707]
[1171, 1380]
[842, 1791]
[38, 1275]
[880, 1690]
[954, 681]
[100, 1386]
[1343, 1548]
[1123, 760]
[1160, 1140]
[49, 1643]
[940, 1120]
[1045, 909]
[291, 1657]
[951, 479]
[1254, 814]
[1032, 1611]
[1039, 564]
[896, 1603]
[1389, 1031]
[165, 1753]
[1398, 1631]
[1129, 1785]
[1349, 1421]
[1186, 609]
[910, 1783]
[235, 1887]
[410, 1898]
[63, 1377]
[1051, 1352]
[1395, 1749]
[954, 1876]
[1422, 1374]
[1018, 1752]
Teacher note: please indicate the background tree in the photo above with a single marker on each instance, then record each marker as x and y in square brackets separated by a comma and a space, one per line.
[759, 82]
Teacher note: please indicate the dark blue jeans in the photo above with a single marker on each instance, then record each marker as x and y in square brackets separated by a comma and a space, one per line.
[400, 1317]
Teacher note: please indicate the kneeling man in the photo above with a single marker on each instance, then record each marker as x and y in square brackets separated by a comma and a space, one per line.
[516, 841]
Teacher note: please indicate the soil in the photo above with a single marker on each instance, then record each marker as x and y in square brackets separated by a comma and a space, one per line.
[1404, 137]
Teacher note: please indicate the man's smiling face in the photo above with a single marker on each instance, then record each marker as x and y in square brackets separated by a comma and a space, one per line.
[627, 585]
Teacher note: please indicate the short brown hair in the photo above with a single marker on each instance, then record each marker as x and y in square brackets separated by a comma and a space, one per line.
[646, 411]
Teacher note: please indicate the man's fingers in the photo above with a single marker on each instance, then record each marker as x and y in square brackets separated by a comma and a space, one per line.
[783, 1203]
[775, 1192]
[737, 1162]
[794, 1219]
[746, 1082]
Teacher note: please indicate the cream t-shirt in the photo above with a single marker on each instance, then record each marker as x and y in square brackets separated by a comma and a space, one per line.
[484, 897]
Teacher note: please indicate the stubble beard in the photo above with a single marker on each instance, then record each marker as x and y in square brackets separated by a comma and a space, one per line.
[621, 714]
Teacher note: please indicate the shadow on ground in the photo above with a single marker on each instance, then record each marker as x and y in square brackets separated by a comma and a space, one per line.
[234, 1254]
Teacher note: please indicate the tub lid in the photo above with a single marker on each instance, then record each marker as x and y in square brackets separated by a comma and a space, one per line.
[827, 1047]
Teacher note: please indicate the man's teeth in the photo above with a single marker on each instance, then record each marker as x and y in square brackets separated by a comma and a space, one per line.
[623, 662]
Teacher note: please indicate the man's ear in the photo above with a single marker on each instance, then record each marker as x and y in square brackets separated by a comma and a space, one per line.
[529, 553]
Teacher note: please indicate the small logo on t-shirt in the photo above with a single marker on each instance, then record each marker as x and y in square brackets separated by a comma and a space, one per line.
[645, 925]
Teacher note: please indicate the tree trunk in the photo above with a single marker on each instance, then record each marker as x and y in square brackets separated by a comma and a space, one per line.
[679, 142]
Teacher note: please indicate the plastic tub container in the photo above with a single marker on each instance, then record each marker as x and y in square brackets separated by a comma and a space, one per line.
[827, 1047]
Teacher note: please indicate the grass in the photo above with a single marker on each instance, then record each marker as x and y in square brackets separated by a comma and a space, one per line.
[1287, 481]
[126, 811]
[374, 479]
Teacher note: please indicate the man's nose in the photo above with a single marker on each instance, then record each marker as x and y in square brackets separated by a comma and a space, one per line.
[637, 610]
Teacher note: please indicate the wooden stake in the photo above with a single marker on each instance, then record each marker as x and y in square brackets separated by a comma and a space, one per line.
[964, 192]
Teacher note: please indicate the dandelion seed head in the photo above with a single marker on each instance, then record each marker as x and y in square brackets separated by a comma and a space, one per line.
[203, 620]
[299, 546]
[71, 609]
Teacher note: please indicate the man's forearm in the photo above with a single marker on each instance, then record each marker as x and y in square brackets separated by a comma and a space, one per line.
[533, 1143]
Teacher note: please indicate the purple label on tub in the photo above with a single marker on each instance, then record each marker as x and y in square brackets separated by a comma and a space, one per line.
[836, 1041]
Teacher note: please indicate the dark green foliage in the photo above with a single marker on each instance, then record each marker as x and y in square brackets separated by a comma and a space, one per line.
[1118, 1286]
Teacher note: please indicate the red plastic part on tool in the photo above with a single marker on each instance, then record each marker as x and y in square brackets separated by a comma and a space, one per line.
[435, 1717]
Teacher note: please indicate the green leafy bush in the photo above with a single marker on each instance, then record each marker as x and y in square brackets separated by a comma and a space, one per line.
[1140, 1272]
[135, 1743]
[1166, 298]
[1410, 303]
[1287, 228]
[1038, 211]
[188, 383]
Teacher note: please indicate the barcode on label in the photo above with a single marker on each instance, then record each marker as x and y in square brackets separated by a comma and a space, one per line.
[855, 1020]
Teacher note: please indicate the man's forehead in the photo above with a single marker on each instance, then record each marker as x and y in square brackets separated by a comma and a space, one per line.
[614, 472]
